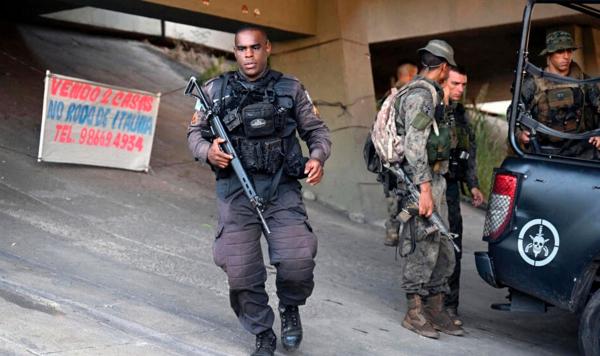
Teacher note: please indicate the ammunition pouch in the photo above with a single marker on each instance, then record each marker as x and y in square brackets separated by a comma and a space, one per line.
[258, 119]
[232, 120]
[438, 146]
[564, 110]
[294, 161]
[259, 156]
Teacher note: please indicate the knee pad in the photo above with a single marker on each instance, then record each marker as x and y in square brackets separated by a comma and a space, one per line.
[240, 256]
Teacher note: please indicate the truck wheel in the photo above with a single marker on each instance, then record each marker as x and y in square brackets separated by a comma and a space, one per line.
[589, 327]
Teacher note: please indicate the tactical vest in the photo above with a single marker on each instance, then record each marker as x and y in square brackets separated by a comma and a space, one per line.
[259, 120]
[460, 146]
[559, 106]
[438, 144]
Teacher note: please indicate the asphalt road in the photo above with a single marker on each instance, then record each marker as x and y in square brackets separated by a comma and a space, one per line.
[97, 261]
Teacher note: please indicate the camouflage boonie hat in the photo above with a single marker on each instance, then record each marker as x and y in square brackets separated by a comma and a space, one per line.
[440, 48]
[558, 40]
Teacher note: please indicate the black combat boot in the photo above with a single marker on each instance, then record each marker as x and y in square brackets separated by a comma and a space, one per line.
[291, 327]
[265, 343]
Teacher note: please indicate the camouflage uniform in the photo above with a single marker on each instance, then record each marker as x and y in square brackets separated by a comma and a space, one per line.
[462, 170]
[292, 244]
[578, 116]
[562, 106]
[392, 224]
[426, 270]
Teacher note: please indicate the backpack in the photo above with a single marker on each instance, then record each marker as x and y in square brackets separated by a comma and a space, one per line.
[383, 137]
[372, 160]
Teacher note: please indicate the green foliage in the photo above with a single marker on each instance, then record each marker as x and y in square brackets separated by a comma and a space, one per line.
[218, 66]
[491, 149]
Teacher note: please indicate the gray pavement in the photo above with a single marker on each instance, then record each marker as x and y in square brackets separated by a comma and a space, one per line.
[98, 261]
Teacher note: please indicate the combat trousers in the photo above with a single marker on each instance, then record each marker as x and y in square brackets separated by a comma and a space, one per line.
[292, 248]
[427, 269]
[456, 226]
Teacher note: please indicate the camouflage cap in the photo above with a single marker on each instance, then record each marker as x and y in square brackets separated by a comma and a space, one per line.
[440, 48]
[558, 40]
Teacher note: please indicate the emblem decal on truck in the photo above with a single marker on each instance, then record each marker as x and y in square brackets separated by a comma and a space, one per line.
[538, 242]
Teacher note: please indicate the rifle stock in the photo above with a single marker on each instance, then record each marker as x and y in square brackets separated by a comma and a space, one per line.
[217, 128]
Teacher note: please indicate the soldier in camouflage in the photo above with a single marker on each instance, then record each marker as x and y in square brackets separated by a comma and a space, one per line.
[462, 169]
[429, 258]
[562, 106]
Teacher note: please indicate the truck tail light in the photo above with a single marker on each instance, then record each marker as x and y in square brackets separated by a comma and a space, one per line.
[500, 207]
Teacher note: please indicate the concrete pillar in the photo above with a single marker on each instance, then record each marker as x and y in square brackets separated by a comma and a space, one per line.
[335, 67]
[591, 51]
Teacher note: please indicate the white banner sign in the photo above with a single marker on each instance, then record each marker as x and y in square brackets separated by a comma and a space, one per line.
[97, 124]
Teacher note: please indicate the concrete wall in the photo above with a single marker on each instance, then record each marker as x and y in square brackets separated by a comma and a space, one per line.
[109, 19]
[335, 67]
[290, 15]
[392, 20]
[145, 25]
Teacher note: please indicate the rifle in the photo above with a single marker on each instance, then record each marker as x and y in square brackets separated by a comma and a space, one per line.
[216, 126]
[413, 194]
[524, 118]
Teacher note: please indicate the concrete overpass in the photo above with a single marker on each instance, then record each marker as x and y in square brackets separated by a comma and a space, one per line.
[345, 50]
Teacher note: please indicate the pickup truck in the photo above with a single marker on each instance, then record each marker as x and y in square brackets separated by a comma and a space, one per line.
[543, 219]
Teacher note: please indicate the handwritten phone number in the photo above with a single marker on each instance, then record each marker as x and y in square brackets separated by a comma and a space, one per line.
[101, 138]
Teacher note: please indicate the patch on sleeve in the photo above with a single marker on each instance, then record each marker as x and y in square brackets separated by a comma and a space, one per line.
[315, 110]
[421, 121]
[195, 119]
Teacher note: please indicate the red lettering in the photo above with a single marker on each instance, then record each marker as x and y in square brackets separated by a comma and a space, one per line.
[146, 103]
[117, 140]
[63, 133]
[94, 94]
[139, 143]
[85, 91]
[82, 135]
[56, 83]
[68, 138]
[75, 90]
[134, 101]
[58, 130]
[64, 90]
[117, 99]
[106, 96]
[126, 100]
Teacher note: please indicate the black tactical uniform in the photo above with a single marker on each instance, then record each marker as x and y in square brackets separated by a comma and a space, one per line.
[462, 169]
[262, 118]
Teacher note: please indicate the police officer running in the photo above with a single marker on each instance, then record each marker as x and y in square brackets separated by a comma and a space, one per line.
[262, 110]
[429, 257]
[462, 169]
[564, 107]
